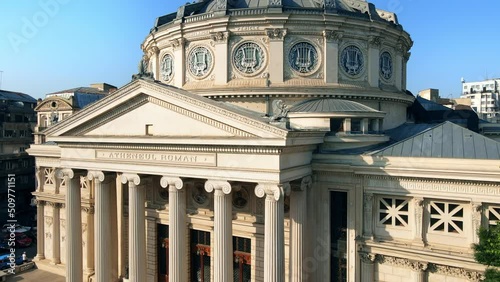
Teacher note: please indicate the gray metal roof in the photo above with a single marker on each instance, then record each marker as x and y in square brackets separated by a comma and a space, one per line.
[446, 140]
[16, 96]
[81, 96]
[330, 105]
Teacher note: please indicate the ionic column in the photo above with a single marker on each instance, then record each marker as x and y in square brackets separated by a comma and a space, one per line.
[274, 237]
[56, 233]
[176, 228]
[74, 262]
[102, 227]
[368, 214]
[418, 271]
[136, 228]
[367, 267]
[298, 206]
[40, 226]
[419, 212]
[223, 230]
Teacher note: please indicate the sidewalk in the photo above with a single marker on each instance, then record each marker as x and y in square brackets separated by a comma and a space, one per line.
[36, 275]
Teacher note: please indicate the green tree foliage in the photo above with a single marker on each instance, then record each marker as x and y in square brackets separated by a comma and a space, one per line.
[487, 252]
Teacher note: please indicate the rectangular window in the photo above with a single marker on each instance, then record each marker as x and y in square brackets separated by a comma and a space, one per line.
[200, 256]
[393, 212]
[242, 259]
[493, 215]
[446, 217]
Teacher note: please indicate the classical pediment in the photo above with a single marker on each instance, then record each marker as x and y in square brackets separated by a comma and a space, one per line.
[154, 110]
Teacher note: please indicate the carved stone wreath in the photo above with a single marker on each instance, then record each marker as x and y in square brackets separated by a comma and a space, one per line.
[240, 199]
[303, 58]
[352, 61]
[199, 196]
[200, 62]
[167, 67]
[249, 58]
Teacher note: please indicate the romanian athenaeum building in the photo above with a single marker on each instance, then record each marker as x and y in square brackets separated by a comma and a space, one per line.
[266, 141]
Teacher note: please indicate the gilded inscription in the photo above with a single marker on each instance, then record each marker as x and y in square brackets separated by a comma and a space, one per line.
[206, 159]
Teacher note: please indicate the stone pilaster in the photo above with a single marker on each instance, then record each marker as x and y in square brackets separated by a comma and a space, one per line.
[419, 271]
[476, 221]
[137, 228]
[180, 57]
[274, 242]
[176, 228]
[367, 267]
[276, 58]
[40, 226]
[373, 60]
[74, 264]
[298, 208]
[332, 41]
[220, 40]
[419, 221]
[88, 237]
[223, 241]
[102, 229]
[368, 215]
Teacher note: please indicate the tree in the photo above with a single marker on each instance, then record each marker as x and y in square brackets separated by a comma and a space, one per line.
[487, 252]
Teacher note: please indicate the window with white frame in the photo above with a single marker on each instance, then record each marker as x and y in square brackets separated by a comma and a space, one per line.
[446, 217]
[393, 212]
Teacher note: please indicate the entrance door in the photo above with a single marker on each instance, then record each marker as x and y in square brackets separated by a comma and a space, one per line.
[338, 236]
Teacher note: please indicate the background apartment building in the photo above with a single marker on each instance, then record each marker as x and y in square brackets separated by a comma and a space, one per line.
[484, 98]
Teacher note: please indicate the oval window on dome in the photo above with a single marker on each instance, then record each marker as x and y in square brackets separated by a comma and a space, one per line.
[303, 58]
[167, 67]
[352, 60]
[200, 62]
[248, 58]
[386, 65]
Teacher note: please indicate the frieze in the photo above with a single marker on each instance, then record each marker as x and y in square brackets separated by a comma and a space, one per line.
[192, 159]
[473, 188]
[456, 271]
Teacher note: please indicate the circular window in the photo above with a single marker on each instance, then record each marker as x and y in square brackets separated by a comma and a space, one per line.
[352, 60]
[53, 104]
[167, 67]
[248, 58]
[303, 58]
[240, 199]
[386, 65]
[200, 61]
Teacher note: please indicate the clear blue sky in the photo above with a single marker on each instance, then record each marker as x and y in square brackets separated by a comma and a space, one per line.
[46, 47]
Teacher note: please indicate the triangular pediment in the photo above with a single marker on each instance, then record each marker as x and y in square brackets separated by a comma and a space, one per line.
[154, 110]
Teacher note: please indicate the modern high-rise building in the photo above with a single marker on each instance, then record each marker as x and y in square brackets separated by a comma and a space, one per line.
[485, 99]
[17, 121]
[267, 141]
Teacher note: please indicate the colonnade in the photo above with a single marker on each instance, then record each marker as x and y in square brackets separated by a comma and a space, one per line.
[222, 249]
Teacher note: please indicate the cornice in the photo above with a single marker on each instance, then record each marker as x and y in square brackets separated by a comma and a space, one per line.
[202, 149]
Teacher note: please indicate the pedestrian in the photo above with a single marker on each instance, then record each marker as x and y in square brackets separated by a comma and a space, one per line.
[25, 257]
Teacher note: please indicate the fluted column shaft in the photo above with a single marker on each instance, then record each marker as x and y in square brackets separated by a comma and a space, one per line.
[74, 261]
[367, 267]
[274, 237]
[137, 229]
[102, 227]
[298, 207]
[176, 228]
[40, 226]
[223, 230]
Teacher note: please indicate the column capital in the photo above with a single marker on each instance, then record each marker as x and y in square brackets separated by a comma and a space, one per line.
[64, 172]
[276, 33]
[305, 184]
[40, 202]
[275, 190]
[130, 177]
[171, 182]
[333, 35]
[368, 257]
[96, 175]
[222, 185]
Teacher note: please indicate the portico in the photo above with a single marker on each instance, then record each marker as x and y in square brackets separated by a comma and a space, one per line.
[173, 166]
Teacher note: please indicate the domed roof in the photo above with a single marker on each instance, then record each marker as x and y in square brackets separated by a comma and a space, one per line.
[355, 8]
[330, 105]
